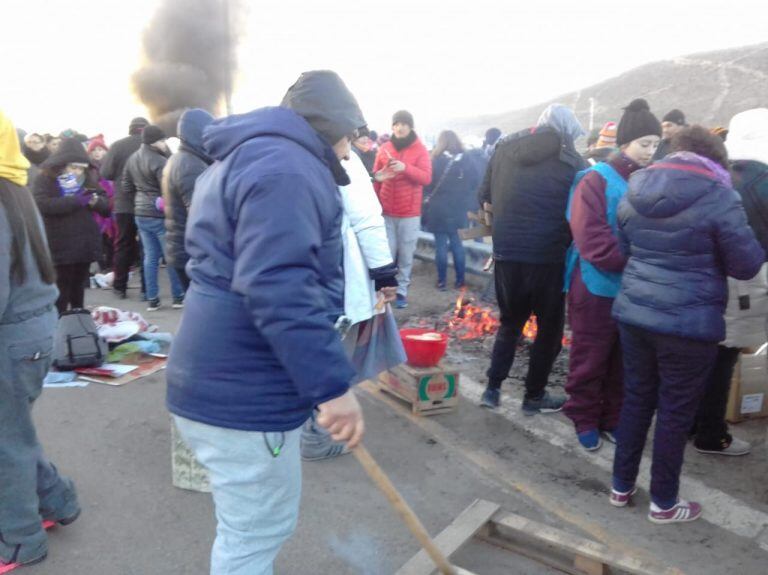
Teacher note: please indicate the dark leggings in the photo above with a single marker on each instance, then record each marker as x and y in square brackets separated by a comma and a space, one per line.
[71, 280]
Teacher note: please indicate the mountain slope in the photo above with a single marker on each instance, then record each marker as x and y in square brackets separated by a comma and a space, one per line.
[709, 87]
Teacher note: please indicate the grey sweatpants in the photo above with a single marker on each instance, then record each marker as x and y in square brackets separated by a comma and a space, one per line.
[30, 487]
[403, 233]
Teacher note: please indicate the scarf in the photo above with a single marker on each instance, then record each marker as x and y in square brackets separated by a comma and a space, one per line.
[13, 164]
[402, 143]
[563, 120]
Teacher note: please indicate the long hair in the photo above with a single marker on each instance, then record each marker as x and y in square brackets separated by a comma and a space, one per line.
[25, 224]
[449, 142]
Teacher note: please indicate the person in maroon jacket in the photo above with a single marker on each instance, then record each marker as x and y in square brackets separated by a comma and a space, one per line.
[401, 171]
[593, 277]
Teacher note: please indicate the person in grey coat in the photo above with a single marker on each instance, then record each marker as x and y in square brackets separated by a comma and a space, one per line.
[31, 489]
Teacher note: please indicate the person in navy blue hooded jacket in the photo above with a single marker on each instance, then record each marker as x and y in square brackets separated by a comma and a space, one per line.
[685, 231]
[257, 349]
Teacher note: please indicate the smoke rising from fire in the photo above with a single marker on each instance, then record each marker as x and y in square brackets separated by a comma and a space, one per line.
[189, 52]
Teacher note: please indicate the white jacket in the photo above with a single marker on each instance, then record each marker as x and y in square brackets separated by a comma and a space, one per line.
[365, 241]
[746, 328]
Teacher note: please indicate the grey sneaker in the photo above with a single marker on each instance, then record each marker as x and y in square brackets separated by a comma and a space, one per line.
[491, 398]
[546, 404]
[732, 446]
[316, 443]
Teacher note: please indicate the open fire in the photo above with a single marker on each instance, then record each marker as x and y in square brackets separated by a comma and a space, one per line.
[471, 321]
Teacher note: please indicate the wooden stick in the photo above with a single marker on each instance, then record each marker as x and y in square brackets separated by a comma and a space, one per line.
[413, 523]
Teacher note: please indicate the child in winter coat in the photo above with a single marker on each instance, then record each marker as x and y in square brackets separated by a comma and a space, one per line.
[593, 277]
[685, 232]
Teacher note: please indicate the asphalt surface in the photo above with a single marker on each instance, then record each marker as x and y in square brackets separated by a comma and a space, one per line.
[115, 443]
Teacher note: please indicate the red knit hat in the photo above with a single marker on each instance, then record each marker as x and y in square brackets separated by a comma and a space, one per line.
[97, 142]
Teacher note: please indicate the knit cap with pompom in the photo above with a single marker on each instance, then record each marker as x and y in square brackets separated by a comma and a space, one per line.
[637, 122]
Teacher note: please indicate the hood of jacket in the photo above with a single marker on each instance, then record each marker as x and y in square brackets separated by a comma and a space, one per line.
[667, 188]
[223, 136]
[190, 129]
[323, 100]
[531, 147]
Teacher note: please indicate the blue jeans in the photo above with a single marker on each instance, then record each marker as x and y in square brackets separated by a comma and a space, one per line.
[442, 240]
[256, 495]
[152, 232]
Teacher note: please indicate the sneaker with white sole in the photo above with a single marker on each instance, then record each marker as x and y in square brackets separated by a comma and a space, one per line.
[619, 499]
[154, 305]
[609, 435]
[729, 445]
[545, 404]
[682, 512]
[178, 303]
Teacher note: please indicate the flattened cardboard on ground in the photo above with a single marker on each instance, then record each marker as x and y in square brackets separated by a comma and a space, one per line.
[146, 366]
[748, 398]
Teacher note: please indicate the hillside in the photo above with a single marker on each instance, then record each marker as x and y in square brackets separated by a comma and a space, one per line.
[709, 87]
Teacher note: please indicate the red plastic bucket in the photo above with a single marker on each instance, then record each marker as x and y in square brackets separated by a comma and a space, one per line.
[423, 353]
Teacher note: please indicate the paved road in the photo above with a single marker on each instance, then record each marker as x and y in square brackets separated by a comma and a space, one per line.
[115, 443]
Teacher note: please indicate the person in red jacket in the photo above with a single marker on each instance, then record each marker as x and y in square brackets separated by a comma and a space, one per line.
[401, 171]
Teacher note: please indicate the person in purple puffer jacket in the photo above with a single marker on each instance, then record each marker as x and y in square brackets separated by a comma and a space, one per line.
[685, 231]
[97, 150]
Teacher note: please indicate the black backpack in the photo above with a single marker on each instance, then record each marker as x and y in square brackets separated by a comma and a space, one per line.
[77, 342]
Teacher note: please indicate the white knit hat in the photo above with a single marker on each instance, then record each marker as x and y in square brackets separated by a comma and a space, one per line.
[748, 136]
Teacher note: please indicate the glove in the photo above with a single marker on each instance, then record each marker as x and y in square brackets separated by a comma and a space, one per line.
[84, 198]
[160, 204]
[384, 276]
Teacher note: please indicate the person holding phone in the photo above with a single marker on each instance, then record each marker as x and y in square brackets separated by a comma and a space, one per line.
[401, 171]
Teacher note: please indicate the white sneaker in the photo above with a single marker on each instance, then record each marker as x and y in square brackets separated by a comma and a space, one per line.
[735, 447]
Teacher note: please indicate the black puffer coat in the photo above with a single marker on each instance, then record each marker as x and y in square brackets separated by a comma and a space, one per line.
[73, 234]
[528, 182]
[113, 166]
[179, 177]
[141, 180]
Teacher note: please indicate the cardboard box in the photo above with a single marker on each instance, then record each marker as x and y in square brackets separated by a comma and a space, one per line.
[748, 398]
[429, 390]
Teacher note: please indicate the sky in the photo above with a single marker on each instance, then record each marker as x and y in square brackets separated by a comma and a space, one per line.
[68, 64]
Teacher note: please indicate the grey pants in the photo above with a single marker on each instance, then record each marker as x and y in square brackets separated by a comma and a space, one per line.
[403, 233]
[30, 487]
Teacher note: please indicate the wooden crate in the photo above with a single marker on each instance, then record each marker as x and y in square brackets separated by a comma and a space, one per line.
[186, 471]
[429, 390]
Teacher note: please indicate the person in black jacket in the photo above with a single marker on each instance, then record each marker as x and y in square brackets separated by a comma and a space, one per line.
[141, 181]
[67, 192]
[672, 122]
[528, 182]
[179, 177]
[126, 245]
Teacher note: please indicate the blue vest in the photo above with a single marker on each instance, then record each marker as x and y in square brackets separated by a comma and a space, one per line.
[598, 282]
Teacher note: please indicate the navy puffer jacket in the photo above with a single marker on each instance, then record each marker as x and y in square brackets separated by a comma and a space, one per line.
[257, 348]
[684, 233]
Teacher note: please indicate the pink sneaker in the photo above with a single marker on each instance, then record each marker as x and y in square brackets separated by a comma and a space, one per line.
[619, 499]
[683, 512]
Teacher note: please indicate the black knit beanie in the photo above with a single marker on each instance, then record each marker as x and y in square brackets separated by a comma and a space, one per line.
[137, 124]
[636, 122]
[675, 116]
[403, 117]
[152, 134]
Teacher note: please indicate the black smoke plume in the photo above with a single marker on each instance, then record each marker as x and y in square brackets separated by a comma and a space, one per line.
[189, 58]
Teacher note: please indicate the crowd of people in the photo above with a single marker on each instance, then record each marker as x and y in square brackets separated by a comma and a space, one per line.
[285, 231]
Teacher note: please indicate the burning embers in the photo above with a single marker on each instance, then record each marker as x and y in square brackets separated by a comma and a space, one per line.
[471, 321]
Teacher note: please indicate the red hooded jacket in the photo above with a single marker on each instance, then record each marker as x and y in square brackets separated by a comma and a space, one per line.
[401, 196]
